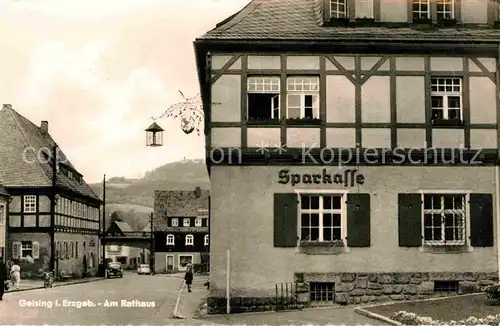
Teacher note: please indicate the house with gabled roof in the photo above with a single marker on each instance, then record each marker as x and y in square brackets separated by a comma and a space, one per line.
[352, 148]
[181, 226]
[128, 255]
[53, 215]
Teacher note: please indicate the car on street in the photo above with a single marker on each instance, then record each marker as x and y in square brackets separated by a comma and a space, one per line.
[115, 270]
[144, 269]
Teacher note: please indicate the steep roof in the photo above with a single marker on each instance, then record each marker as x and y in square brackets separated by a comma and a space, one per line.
[302, 20]
[178, 203]
[19, 139]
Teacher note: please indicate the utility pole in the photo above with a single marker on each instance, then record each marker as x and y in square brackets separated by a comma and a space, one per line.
[53, 209]
[103, 240]
[152, 247]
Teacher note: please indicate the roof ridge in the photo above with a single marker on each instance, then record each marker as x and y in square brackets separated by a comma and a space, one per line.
[14, 113]
[240, 15]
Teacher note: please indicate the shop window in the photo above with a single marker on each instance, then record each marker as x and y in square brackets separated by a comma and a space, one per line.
[446, 100]
[321, 218]
[322, 291]
[263, 98]
[302, 97]
[444, 219]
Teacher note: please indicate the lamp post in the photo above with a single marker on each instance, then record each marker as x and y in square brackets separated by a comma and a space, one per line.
[152, 248]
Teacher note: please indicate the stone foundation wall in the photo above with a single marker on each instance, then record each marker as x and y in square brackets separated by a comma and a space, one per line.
[356, 288]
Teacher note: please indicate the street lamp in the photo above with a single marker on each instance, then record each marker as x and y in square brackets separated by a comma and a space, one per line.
[190, 114]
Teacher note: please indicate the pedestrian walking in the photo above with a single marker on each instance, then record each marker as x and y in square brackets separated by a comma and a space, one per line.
[15, 273]
[3, 279]
[188, 277]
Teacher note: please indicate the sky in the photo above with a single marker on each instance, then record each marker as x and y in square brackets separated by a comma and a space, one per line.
[99, 70]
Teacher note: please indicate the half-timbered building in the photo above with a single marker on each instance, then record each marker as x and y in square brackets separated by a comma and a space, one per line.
[352, 147]
[181, 229]
[52, 215]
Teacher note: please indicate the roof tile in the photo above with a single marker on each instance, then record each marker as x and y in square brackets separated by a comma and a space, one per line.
[302, 20]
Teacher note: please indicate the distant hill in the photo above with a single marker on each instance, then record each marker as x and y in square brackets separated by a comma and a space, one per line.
[135, 196]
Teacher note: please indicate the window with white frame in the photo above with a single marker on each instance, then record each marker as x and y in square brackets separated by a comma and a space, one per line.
[186, 222]
[321, 218]
[444, 219]
[338, 8]
[302, 97]
[206, 240]
[29, 204]
[446, 98]
[445, 9]
[189, 240]
[263, 97]
[175, 222]
[170, 240]
[197, 221]
[26, 249]
[421, 9]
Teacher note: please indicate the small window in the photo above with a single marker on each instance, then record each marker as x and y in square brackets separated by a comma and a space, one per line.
[263, 98]
[446, 98]
[322, 291]
[26, 249]
[29, 204]
[338, 8]
[302, 97]
[206, 240]
[189, 240]
[197, 221]
[187, 222]
[175, 222]
[421, 9]
[445, 9]
[446, 286]
[170, 240]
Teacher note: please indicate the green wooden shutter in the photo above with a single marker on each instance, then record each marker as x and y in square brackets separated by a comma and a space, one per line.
[481, 220]
[358, 220]
[285, 220]
[410, 220]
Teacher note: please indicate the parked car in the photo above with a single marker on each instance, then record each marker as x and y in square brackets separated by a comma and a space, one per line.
[144, 269]
[115, 269]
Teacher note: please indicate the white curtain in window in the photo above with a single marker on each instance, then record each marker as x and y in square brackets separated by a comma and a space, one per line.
[364, 8]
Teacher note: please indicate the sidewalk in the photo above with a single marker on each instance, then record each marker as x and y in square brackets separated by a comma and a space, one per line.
[190, 302]
[26, 285]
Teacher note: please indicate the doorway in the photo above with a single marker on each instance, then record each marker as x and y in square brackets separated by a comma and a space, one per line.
[84, 263]
[170, 263]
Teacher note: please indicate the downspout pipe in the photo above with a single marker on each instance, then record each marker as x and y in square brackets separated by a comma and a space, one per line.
[497, 169]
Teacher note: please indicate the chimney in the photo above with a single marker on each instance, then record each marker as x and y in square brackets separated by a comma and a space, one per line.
[44, 126]
[7, 106]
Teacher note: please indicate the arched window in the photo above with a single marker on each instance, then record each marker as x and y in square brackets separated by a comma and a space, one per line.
[170, 240]
[189, 240]
[206, 240]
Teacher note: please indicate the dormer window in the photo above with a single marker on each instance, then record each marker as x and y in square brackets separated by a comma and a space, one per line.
[338, 9]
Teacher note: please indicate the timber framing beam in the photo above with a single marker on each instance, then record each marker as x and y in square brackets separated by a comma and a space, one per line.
[224, 68]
